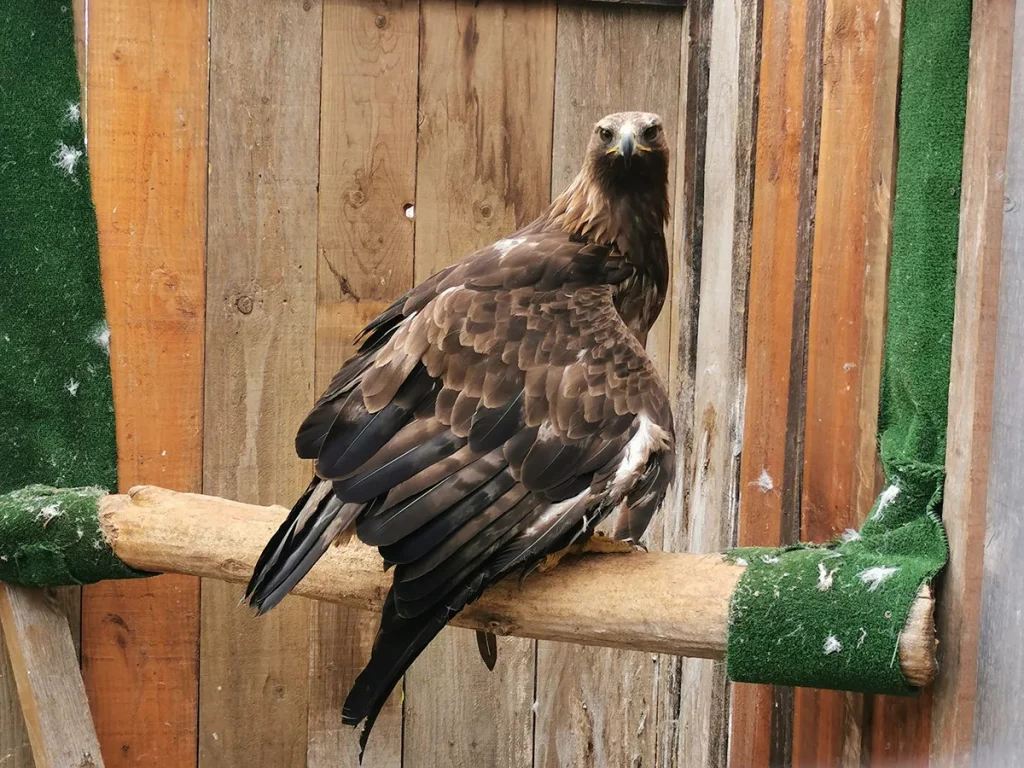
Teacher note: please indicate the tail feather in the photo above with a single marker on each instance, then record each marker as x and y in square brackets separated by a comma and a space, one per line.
[399, 642]
[487, 644]
[313, 524]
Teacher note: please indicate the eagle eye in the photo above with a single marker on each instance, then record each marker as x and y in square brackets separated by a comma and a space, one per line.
[605, 134]
[651, 132]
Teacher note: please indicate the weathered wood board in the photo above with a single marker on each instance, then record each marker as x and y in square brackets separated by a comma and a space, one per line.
[364, 260]
[45, 664]
[260, 332]
[486, 77]
[971, 378]
[998, 717]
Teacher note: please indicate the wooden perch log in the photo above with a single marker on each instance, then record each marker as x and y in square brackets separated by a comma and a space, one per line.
[654, 602]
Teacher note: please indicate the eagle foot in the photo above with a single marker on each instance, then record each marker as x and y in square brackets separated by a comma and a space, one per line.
[599, 543]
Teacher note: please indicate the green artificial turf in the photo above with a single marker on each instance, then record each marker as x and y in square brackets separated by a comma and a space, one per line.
[830, 616]
[56, 406]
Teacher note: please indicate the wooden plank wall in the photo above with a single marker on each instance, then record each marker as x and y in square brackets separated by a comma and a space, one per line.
[368, 119]
[971, 377]
[348, 149]
[998, 717]
[260, 333]
[486, 76]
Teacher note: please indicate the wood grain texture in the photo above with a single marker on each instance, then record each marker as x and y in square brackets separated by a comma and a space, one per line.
[970, 386]
[999, 718]
[599, 707]
[365, 260]
[483, 169]
[147, 145]
[666, 528]
[45, 664]
[712, 468]
[15, 749]
[846, 331]
[260, 337]
[789, 109]
[687, 232]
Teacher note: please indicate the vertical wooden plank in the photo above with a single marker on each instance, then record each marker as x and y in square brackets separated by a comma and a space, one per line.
[260, 326]
[789, 110]
[851, 247]
[599, 707]
[712, 460]
[486, 83]
[15, 749]
[667, 529]
[999, 718]
[970, 387]
[147, 144]
[687, 232]
[45, 663]
[365, 260]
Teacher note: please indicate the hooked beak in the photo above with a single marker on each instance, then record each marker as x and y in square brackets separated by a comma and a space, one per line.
[626, 148]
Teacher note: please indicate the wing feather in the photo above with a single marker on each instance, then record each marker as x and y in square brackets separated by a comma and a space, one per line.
[480, 427]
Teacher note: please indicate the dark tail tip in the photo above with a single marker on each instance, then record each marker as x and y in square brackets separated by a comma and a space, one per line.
[487, 644]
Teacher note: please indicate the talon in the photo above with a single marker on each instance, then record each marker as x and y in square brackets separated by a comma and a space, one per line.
[603, 544]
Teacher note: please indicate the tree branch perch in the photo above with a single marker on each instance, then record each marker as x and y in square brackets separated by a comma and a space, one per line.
[653, 602]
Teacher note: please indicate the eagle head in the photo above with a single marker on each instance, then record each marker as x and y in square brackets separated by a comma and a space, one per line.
[629, 146]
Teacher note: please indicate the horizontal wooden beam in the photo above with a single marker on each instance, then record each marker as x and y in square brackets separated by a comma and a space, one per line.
[653, 602]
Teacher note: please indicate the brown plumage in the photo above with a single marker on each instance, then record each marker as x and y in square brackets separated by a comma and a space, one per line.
[498, 411]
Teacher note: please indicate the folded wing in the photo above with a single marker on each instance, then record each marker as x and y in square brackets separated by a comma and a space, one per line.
[491, 416]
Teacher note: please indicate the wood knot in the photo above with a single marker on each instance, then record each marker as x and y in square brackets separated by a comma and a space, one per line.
[244, 305]
[381, 21]
[307, 4]
[486, 210]
[356, 198]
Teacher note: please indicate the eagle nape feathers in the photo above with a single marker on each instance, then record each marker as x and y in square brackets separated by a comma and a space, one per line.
[497, 412]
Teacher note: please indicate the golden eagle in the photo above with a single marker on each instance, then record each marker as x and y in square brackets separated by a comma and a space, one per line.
[497, 412]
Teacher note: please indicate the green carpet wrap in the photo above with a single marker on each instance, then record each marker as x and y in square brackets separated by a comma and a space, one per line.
[56, 406]
[52, 537]
[830, 616]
